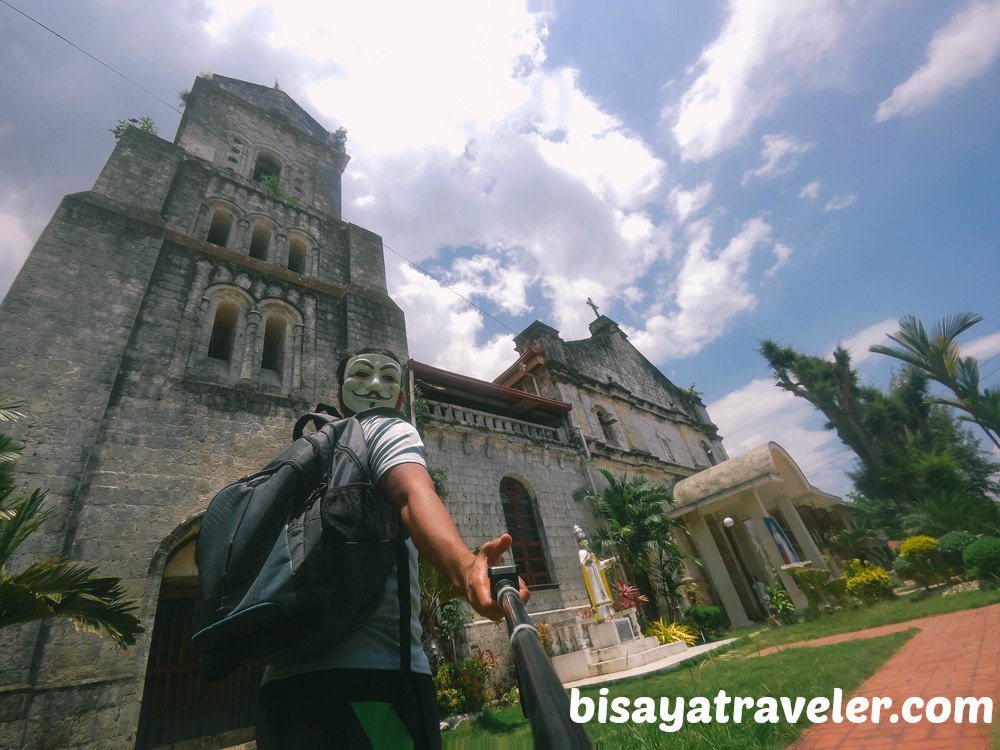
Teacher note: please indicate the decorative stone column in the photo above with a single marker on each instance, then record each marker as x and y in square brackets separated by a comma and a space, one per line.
[296, 385]
[717, 572]
[249, 347]
[206, 332]
[279, 251]
[184, 347]
[241, 241]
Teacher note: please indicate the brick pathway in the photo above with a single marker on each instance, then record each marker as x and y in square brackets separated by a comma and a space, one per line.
[953, 655]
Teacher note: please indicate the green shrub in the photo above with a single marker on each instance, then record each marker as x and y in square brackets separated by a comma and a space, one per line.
[781, 604]
[952, 545]
[461, 686]
[871, 585]
[982, 558]
[707, 619]
[905, 568]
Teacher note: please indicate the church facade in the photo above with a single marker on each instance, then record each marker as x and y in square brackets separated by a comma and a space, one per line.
[165, 332]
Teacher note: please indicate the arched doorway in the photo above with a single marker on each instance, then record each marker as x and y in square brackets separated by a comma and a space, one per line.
[179, 709]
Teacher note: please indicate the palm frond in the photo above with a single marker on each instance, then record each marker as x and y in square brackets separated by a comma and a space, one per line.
[61, 589]
[9, 413]
[18, 520]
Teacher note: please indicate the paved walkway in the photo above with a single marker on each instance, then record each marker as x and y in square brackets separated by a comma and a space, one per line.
[953, 655]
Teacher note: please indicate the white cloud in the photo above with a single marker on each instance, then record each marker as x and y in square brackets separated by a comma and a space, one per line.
[961, 50]
[485, 276]
[780, 155]
[782, 254]
[838, 202]
[687, 203]
[711, 289]
[811, 190]
[857, 344]
[443, 330]
[760, 412]
[982, 348]
[763, 49]
[460, 138]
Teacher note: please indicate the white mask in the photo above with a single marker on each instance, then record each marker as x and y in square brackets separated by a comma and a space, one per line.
[371, 380]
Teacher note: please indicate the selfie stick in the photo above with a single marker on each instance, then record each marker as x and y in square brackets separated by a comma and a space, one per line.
[543, 698]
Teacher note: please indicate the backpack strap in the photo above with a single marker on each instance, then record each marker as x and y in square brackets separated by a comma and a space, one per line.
[320, 419]
[403, 590]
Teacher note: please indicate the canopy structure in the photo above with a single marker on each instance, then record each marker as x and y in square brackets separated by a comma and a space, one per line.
[752, 518]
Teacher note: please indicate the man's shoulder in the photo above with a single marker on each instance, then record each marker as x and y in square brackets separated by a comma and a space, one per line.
[386, 424]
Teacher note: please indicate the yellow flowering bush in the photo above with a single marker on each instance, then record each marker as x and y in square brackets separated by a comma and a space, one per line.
[871, 585]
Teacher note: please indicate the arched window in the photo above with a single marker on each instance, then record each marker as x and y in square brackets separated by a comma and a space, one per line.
[222, 222]
[274, 345]
[220, 346]
[266, 166]
[528, 547]
[260, 241]
[296, 255]
[709, 453]
[606, 421]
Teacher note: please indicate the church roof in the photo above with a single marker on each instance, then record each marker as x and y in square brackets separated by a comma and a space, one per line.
[517, 401]
[275, 102]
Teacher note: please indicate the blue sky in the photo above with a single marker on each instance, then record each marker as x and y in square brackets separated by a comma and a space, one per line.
[711, 174]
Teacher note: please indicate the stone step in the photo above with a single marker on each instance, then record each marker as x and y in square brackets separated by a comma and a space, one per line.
[623, 649]
[637, 659]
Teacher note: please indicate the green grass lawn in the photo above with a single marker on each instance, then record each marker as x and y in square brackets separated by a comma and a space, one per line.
[806, 672]
[899, 610]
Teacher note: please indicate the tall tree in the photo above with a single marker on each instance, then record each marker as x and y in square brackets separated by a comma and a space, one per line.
[833, 388]
[640, 533]
[911, 453]
[57, 588]
[937, 353]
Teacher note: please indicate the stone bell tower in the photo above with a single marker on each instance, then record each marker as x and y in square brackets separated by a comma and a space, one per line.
[163, 334]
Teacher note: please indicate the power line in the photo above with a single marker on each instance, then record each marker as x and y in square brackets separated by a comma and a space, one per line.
[243, 151]
[92, 57]
[829, 459]
[450, 289]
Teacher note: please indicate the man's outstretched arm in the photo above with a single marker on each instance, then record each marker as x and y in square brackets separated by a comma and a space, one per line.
[410, 489]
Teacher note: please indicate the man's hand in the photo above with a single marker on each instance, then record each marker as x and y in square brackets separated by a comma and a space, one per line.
[477, 578]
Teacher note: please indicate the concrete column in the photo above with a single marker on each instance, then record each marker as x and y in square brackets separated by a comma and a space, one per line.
[716, 569]
[774, 561]
[249, 346]
[798, 528]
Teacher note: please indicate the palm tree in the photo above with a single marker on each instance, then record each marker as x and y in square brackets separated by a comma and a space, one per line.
[641, 534]
[53, 588]
[937, 354]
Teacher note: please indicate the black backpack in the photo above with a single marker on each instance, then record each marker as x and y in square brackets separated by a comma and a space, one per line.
[294, 558]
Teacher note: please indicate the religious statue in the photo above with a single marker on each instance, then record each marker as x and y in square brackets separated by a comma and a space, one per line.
[596, 581]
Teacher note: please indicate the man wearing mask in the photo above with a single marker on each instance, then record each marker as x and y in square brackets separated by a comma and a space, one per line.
[353, 695]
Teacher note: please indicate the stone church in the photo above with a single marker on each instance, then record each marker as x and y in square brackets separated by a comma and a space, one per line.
[173, 321]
